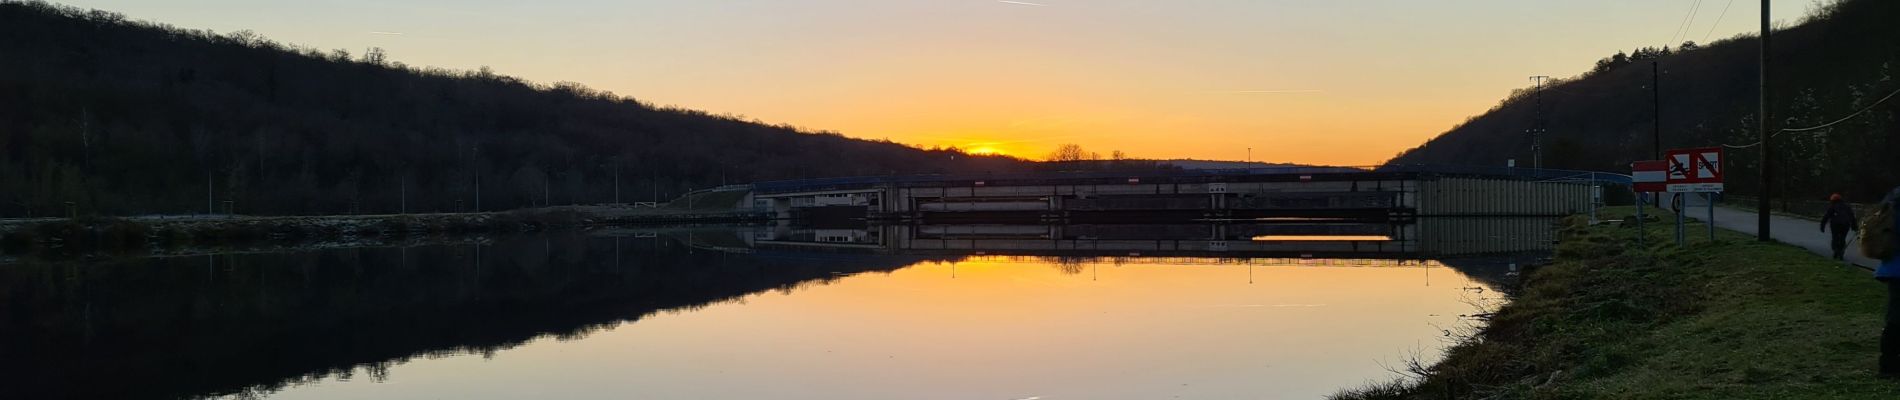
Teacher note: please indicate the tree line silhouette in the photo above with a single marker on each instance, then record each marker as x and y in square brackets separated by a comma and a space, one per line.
[1841, 59]
[103, 115]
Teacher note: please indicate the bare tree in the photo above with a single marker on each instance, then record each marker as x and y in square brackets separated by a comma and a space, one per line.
[375, 55]
[1070, 152]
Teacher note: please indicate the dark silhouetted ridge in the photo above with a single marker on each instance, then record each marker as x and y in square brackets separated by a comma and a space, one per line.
[123, 117]
[1840, 60]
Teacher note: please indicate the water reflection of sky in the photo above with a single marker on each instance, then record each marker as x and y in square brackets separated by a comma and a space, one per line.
[987, 328]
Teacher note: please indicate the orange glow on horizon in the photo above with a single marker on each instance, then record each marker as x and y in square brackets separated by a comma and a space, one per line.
[986, 151]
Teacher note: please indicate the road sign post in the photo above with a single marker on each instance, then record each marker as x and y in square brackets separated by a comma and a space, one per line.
[1696, 170]
[1711, 219]
[1641, 232]
[1681, 205]
[1649, 177]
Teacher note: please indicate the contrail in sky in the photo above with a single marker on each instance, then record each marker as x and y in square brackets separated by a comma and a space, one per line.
[1021, 3]
[384, 33]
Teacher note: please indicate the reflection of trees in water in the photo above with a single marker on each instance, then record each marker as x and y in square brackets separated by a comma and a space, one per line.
[1070, 265]
[251, 325]
[1075, 265]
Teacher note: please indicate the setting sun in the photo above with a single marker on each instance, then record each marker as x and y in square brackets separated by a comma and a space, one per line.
[987, 151]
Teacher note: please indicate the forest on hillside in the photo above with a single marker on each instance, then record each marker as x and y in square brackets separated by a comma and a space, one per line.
[1840, 60]
[104, 115]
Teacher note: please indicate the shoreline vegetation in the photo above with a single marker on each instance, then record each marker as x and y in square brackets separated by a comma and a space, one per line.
[1836, 61]
[1732, 318]
[96, 236]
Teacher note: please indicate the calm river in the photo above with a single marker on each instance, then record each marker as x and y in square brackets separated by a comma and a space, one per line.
[977, 312]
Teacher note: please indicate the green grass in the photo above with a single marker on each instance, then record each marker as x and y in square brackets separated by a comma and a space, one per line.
[1728, 319]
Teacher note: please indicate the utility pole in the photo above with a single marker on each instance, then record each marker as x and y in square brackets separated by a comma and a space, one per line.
[1538, 127]
[1655, 101]
[402, 188]
[209, 208]
[475, 173]
[616, 183]
[1767, 163]
[85, 135]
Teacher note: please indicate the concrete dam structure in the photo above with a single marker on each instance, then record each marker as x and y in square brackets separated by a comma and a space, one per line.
[1387, 194]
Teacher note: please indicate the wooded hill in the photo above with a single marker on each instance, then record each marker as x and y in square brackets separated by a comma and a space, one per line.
[1836, 62]
[126, 117]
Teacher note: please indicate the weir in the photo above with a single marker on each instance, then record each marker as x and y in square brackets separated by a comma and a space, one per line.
[1385, 194]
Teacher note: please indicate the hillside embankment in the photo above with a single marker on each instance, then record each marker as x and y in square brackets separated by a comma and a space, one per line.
[1725, 319]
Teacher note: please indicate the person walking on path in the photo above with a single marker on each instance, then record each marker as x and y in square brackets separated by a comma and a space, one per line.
[1840, 216]
[1889, 274]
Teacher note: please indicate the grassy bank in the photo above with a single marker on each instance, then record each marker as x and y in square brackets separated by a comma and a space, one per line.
[1732, 318]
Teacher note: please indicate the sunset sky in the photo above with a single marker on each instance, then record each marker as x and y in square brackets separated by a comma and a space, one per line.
[1349, 82]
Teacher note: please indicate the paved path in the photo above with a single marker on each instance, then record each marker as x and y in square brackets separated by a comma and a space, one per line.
[1803, 233]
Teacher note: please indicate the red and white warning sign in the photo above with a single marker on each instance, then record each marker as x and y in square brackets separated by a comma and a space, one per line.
[1695, 170]
[1650, 176]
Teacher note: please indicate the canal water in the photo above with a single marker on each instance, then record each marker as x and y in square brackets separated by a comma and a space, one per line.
[748, 313]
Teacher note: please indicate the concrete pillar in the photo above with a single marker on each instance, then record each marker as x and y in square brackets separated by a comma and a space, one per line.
[782, 207]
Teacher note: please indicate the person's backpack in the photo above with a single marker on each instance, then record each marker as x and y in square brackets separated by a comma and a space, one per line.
[1876, 233]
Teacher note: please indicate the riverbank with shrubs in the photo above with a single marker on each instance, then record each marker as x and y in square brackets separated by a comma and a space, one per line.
[1726, 319]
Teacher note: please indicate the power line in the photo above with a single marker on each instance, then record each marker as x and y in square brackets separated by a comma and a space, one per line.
[1682, 28]
[1863, 110]
[1693, 12]
[1718, 22]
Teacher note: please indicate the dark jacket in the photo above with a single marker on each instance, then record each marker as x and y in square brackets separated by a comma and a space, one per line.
[1890, 267]
[1840, 216]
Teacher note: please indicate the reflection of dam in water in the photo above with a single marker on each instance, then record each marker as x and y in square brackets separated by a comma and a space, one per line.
[1489, 250]
[1424, 238]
